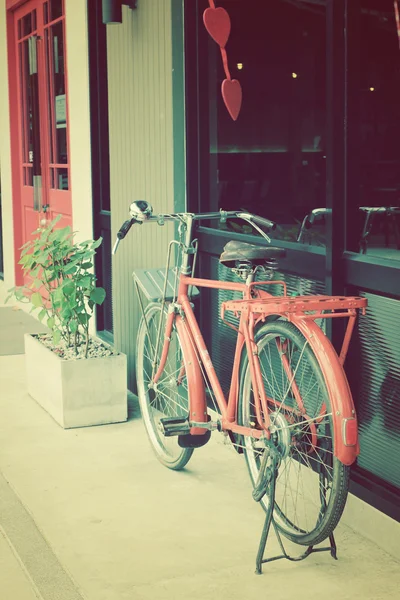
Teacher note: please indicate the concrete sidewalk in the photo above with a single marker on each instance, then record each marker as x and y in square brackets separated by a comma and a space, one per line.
[90, 513]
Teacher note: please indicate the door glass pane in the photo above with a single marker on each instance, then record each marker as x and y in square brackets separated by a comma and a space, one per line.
[55, 66]
[26, 25]
[272, 160]
[56, 9]
[49, 82]
[374, 169]
[26, 103]
[62, 179]
[29, 176]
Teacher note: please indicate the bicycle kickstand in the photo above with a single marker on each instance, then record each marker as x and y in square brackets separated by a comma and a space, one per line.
[260, 560]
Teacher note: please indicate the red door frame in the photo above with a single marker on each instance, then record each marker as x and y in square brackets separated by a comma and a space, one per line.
[16, 137]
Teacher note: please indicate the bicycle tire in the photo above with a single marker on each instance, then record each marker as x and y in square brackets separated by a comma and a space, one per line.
[305, 446]
[171, 396]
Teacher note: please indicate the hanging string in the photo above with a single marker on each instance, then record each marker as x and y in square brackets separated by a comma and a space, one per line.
[225, 63]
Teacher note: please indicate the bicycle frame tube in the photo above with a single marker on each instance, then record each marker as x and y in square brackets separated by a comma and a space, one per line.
[199, 350]
[194, 347]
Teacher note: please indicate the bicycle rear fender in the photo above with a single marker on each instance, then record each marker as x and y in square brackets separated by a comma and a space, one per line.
[195, 381]
[344, 415]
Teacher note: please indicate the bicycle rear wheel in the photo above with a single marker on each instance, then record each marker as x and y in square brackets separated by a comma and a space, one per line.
[311, 484]
[170, 396]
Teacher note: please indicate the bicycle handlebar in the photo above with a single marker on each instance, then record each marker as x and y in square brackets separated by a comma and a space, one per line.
[270, 225]
[124, 229]
[141, 212]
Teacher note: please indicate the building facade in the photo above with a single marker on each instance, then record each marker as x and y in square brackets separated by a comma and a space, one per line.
[133, 110]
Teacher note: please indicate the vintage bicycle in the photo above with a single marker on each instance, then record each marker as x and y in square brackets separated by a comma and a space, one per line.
[289, 408]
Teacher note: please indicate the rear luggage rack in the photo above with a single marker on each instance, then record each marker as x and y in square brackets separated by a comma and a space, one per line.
[318, 305]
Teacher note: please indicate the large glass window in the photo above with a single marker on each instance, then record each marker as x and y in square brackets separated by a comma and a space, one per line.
[374, 131]
[272, 160]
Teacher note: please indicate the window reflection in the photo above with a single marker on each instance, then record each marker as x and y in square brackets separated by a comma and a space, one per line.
[271, 161]
[374, 207]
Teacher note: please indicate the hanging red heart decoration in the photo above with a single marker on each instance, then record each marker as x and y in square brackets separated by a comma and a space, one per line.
[232, 96]
[218, 24]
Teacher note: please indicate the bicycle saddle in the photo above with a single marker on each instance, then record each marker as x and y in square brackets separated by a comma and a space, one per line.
[236, 251]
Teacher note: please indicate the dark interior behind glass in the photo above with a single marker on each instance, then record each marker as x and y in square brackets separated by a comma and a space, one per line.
[271, 161]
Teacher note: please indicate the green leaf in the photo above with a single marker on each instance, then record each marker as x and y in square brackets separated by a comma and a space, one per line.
[50, 322]
[24, 260]
[98, 295]
[19, 293]
[86, 265]
[68, 288]
[73, 326]
[71, 269]
[65, 312]
[83, 318]
[36, 300]
[59, 234]
[57, 294]
[97, 243]
[42, 314]
[85, 281]
[54, 221]
[56, 336]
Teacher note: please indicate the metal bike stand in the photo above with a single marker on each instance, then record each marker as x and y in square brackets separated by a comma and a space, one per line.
[266, 528]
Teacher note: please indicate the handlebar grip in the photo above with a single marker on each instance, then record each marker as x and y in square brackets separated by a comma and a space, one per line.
[125, 227]
[315, 214]
[264, 222]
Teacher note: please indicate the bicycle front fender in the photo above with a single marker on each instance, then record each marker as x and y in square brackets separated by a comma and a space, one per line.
[346, 445]
[195, 381]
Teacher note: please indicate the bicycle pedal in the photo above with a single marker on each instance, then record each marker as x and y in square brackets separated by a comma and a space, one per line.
[174, 426]
[194, 441]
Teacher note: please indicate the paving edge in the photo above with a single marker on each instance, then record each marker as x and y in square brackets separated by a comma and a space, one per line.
[21, 564]
[48, 578]
[372, 524]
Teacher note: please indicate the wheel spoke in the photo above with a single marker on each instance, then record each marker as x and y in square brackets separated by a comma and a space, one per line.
[167, 398]
[301, 415]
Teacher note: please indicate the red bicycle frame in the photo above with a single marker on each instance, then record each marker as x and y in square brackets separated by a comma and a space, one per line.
[257, 305]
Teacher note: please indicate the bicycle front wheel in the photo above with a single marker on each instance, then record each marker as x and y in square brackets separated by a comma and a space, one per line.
[170, 396]
[311, 484]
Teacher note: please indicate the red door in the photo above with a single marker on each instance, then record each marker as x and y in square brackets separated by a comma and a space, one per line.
[41, 158]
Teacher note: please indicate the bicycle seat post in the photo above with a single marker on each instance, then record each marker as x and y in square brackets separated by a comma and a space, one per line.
[186, 267]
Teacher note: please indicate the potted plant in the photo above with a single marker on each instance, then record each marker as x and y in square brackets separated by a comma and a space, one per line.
[76, 377]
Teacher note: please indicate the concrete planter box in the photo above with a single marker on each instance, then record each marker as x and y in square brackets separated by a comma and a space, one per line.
[77, 393]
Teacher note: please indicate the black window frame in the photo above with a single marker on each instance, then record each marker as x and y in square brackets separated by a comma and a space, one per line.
[339, 268]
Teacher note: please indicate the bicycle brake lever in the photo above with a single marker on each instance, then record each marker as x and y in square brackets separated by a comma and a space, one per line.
[115, 248]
